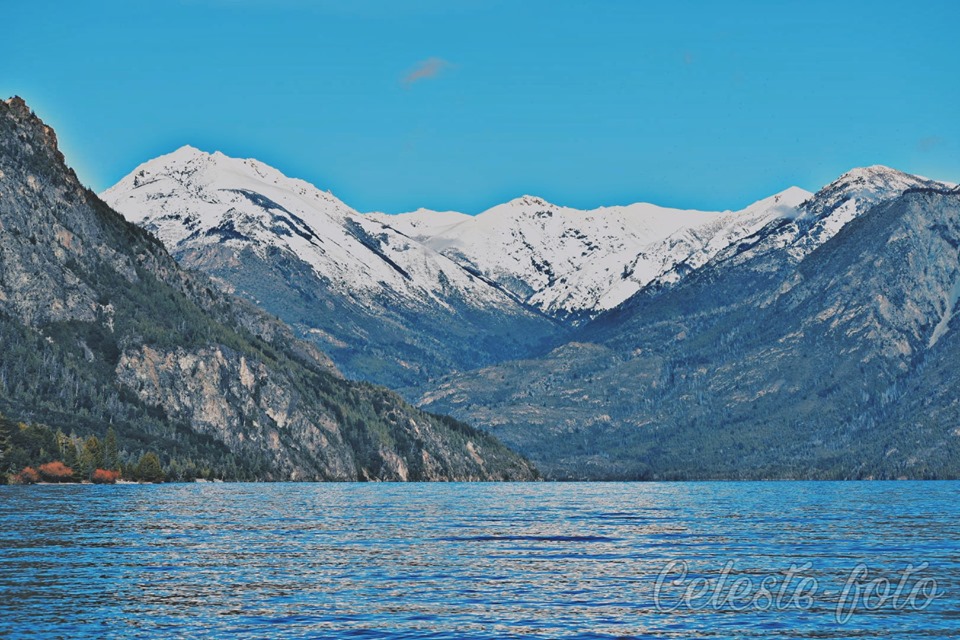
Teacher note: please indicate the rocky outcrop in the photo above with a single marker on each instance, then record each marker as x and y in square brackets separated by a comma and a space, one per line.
[40, 226]
[241, 403]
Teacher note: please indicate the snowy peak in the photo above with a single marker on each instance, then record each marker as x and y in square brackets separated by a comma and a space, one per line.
[529, 202]
[201, 203]
[863, 187]
[820, 217]
[528, 251]
[183, 154]
[203, 174]
[519, 208]
[876, 177]
[852, 194]
[573, 263]
[189, 194]
[565, 262]
[789, 198]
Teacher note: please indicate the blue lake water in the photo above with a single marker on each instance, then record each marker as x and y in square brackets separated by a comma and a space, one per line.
[541, 560]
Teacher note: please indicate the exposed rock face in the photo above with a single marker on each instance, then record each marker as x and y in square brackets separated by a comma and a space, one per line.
[101, 326]
[223, 395]
[250, 408]
[36, 234]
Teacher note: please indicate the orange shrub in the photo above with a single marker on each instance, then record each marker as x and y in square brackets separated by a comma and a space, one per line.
[103, 476]
[56, 472]
[29, 475]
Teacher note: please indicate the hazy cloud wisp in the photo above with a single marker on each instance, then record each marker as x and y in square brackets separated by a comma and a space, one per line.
[429, 68]
[929, 143]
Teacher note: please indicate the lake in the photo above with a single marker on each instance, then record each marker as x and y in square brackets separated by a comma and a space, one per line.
[540, 560]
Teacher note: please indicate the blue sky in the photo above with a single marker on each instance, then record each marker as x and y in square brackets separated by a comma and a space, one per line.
[462, 105]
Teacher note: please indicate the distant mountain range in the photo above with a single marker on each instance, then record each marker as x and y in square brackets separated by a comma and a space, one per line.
[818, 347]
[807, 335]
[573, 264]
[402, 300]
[385, 307]
[100, 327]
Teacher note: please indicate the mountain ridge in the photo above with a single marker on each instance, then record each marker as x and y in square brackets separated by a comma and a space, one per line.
[748, 368]
[556, 266]
[401, 306]
[658, 297]
[298, 251]
[100, 326]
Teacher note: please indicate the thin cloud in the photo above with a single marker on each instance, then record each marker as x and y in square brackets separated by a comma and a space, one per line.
[429, 68]
[928, 143]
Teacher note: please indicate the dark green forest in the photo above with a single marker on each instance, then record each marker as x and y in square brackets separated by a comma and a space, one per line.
[32, 453]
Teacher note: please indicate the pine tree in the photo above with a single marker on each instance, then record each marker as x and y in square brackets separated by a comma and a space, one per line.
[6, 430]
[148, 468]
[68, 450]
[91, 457]
[111, 453]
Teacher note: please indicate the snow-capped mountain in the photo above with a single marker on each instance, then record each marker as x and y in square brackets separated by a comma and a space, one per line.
[787, 241]
[823, 345]
[571, 262]
[402, 299]
[579, 263]
[846, 198]
[191, 199]
[386, 307]
[99, 325]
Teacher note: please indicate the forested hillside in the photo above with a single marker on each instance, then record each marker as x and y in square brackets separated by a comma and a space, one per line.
[782, 358]
[100, 329]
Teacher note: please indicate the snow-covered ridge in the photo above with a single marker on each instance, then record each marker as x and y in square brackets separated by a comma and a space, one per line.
[421, 224]
[563, 261]
[821, 217]
[191, 199]
[569, 261]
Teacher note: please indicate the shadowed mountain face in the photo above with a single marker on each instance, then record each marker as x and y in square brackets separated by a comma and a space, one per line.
[100, 326]
[784, 356]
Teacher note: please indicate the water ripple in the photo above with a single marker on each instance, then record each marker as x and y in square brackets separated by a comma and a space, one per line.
[461, 560]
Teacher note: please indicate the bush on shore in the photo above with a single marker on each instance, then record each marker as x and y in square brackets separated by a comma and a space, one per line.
[104, 476]
[56, 471]
[29, 475]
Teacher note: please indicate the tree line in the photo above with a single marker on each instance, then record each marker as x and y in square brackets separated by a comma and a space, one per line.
[31, 453]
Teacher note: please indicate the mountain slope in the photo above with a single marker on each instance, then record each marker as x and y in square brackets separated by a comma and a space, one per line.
[100, 326]
[789, 354]
[384, 306]
[574, 264]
